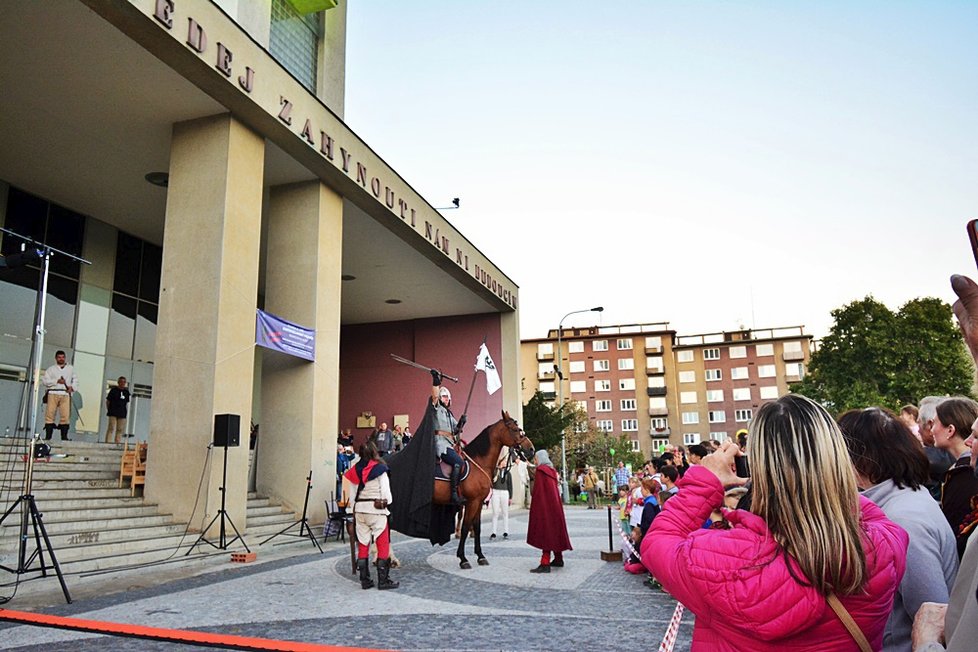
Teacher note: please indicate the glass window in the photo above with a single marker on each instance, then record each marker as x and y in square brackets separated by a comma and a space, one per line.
[657, 403]
[145, 344]
[769, 392]
[122, 327]
[627, 405]
[128, 257]
[577, 366]
[687, 376]
[737, 352]
[93, 319]
[657, 381]
[711, 354]
[602, 406]
[599, 345]
[548, 387]
[653, 342]
[685, 355]
[66, 231]
[625, 364]
[545, 349]
[714, 374]
[575, 347]
[18, 287]
[578, 386]
[633, 443]
[687, 397]
[625, 344]
[629, 425]
[602, 385]
[792, 347]
[691, 417]
[690, 438]
[294, 42]
[658, 423]
[717, 416]
[741, 394]
[59, 322]
[741, 416]
[659, 444]
[739, 373]
[654, 362]
[795, 369]
[628, 384]
[764, 350]
[27, 216]
[766, 371]
[714, 395]
[602, 365]
[606, 425]
[720, 436]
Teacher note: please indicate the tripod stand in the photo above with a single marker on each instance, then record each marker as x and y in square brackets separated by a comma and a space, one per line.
[222, 514]
[30, 515]
[304, 529]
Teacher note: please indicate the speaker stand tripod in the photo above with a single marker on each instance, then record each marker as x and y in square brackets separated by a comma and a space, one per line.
[222, 514]
[305, 531]
[30, 515]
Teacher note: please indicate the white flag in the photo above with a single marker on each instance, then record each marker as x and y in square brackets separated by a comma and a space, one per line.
[484, 363]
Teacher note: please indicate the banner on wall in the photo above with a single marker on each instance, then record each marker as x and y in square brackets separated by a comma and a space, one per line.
[278, 334]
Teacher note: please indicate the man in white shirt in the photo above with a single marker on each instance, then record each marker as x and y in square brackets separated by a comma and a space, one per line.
[60, 382]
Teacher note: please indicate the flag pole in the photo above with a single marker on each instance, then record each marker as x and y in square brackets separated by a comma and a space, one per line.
[462, 419]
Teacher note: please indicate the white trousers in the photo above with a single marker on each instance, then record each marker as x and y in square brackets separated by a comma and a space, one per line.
[500, 504]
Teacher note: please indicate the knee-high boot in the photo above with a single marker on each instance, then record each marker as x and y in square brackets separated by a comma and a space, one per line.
[456, 473]
[48, 430]
[64, 431]
[364, 568]
[383, 575]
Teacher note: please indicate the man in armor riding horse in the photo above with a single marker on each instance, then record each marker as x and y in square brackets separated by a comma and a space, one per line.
[446, 432]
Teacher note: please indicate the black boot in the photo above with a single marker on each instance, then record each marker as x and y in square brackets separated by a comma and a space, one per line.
[383, 575]
[48, 430]
[364, 568]
[64, 432]
[456, 472]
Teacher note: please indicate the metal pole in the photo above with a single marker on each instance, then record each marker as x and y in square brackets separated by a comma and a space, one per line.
[39, 344]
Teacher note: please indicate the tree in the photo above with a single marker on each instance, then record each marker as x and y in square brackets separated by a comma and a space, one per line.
[545, 425]
[875, 357]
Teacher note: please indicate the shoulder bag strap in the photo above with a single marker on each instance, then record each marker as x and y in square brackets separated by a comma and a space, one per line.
[850, 624]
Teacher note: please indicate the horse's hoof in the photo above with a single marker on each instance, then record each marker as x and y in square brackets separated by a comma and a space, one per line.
[465, 565]
[483, 562]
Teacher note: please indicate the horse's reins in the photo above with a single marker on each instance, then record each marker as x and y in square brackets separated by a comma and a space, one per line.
[509, 462]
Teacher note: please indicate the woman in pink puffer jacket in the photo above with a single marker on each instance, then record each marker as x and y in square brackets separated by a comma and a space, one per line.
[763, 584]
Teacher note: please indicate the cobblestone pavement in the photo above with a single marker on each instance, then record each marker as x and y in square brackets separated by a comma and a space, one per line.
[304, 596]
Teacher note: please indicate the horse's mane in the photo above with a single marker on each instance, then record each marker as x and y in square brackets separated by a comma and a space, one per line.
[480, 445]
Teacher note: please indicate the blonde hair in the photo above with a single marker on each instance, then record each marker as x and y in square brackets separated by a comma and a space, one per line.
[804, 487]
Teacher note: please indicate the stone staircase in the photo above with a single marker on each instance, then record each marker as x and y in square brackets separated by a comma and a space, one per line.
[93, 524]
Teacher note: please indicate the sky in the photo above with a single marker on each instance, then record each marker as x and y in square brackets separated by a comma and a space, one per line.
[715, 165]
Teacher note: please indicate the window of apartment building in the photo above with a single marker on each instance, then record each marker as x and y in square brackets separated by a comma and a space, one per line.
[687, 397]
[629, 425]
[719, 436]
[690, 438]
[634, 445]
[575, 347]
[794, 370]
[627, 405]
[714, 374]
[766, 371]
[294, 42]
[714, 395]
[739, 373]
[545, 369]
[659, 423]
[581, 426]
[625, 344]
[654, 362]
[737, 352]
[581, 405]
[691, 417]
[657, 381]
[684, 356]
[657, 403]
[741, 416]
[711, 354]
[602, 406]
[717, 416]
[741, 394]
[599, 345]
[687, 376]
[653, 342]
[764, 350]
[602, 385]
[548, 387]
[628, 384]
[606, 425]
[769, 392]
[545, 349]
[625, 364]
[578, 386]
[659, 444]
[577, 366]
[792, 347]
[602, 365]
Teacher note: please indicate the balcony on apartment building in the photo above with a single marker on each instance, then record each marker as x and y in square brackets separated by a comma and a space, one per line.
[658, 411]
[655, 371]
[655, 391]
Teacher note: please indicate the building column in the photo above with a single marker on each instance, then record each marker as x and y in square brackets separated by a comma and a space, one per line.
[300, 399]
[509, 332]
[205, 341]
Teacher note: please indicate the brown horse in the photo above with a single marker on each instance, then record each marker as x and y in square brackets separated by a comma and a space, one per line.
[481, 454]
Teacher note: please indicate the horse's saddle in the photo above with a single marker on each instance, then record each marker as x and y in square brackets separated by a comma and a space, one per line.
[443, 470]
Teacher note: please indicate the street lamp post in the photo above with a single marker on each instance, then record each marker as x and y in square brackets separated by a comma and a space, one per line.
[564, 490]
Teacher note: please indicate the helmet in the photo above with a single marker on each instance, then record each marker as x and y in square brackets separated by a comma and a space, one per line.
[445, 392]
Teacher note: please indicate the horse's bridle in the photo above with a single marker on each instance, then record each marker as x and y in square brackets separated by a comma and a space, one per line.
[514, 427]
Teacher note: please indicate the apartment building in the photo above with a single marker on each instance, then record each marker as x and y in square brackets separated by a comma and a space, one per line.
[658, 387]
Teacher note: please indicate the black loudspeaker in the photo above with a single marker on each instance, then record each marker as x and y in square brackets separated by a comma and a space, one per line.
[227, 430]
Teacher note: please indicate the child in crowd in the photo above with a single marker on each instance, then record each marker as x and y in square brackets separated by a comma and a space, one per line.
[623, 506]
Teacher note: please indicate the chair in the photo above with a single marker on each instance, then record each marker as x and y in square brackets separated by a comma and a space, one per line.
[127, 464]
[336, 519]
[138, 469]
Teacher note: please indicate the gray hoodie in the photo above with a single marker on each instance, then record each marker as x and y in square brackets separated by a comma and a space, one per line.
[932, 556]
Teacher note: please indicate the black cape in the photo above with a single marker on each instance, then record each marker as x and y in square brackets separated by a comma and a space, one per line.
[412, 472]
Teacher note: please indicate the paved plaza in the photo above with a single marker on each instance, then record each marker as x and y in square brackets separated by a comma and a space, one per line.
[294, 593]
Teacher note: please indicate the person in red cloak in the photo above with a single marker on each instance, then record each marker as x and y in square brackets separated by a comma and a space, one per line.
[547, 529]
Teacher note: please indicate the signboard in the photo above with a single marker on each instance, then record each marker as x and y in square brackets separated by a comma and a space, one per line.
[277, 334]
